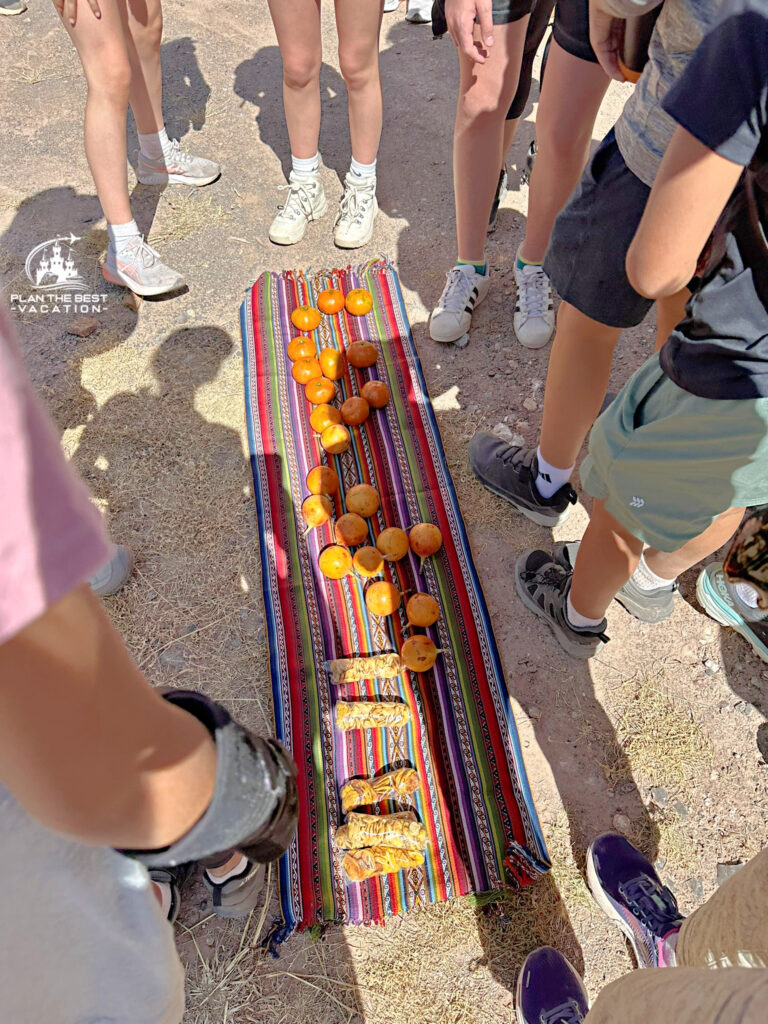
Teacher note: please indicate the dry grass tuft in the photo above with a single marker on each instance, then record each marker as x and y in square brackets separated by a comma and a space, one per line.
[180, 216]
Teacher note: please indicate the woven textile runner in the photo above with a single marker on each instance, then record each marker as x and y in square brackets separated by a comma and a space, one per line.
[474, 800]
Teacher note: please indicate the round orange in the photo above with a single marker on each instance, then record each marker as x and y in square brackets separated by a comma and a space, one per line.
[393, 543]
[323, 416]
[422, 610]
[355, 411]
[425, 539]
[419, 653]
[307, 369]
[335, 439]
[320, 391]
[382, 598]
[359, 302]
[305, 318]
[351, 530]
[316, 509]
[362, 354]
[367, 562]
[301, 348]
[362, 499]
[333, 363]
[322, 480]
[335, 562]
[376, 393]
[331, 300]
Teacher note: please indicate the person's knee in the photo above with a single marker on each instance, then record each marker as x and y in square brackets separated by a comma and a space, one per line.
[300, 69]
[562, 137]
[481, 103]
[111, 79]
[358, 68]
[147, 29]
[578, 327]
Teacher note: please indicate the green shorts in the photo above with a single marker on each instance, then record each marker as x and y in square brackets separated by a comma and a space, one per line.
[666, 462]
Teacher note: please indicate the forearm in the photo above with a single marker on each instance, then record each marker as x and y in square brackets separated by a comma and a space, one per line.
[86, 745]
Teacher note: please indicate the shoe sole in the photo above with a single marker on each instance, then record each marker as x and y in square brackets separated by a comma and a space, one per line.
[419, 20]
[177, 179]
[536, 517]
[570, 647]
[139, 289]
[363, 241]
[600, 898]
[315, 216]
[717, 609]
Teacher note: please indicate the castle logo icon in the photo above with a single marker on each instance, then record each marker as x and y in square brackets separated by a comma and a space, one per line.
[50, 268]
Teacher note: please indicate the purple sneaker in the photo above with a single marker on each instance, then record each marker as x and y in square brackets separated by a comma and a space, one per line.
[626, 887]
[549, 991]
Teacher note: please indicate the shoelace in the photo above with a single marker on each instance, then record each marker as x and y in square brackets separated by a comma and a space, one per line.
[566, 1013]
[532, 294]
[354, 204]
[653, 905]
[458, 289]
[177, 155]
[298, 203]
[140, 252]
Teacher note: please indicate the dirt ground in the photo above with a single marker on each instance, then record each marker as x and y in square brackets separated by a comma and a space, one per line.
[658, 736]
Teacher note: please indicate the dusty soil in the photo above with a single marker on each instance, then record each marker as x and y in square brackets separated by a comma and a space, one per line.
[656, 736]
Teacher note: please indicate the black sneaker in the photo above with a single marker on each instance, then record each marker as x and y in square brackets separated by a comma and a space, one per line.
[498, 199]
[646, 605]
[543, 586]
[549, 991]
[530, 159]
[511, 472]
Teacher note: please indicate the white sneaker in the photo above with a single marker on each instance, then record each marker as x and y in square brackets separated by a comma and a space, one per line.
[357, 212]
[305, 202]
[176, 167]
[391, 5]
[534, 318]
[464, 290]
[419, 12]
[138, 266]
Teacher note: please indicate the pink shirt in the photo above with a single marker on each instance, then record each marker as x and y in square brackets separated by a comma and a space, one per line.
[51, 536]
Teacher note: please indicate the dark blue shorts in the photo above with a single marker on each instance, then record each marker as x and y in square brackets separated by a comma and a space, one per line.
[591, 237]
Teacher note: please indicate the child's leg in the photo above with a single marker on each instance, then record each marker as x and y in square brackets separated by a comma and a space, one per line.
[144, 30]
[608, 555]
[103, 51]
[297, 25]
[670, 310]
[358, 25]
[670, 564]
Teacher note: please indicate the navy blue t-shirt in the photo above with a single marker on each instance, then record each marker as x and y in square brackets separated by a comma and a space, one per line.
[720, 350]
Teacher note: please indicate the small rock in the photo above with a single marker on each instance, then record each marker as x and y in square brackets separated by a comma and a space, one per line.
[534, 712]
[621, 823]
[173, 657]
[503, 432]
[724, 871]
[192, 627]
[151, 595]
[132, 301]
[660, 796]
[83, 327]
[233, 643]
[661, 863]
[696, 885]
[462, 342]
[744, 707]
[530, 404]
[711, 667]
[681, 809]
[191, 314]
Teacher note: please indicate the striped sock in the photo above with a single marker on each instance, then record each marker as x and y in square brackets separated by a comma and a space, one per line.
[480, 268]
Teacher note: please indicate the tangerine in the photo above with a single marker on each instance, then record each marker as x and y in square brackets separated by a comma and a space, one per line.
[322, 480]
[335, 562]
[425, 539]
[351, 529]
[305, 318]
[333, 363]
[355, 411]
[301, 348]
[306, 369]
[359, 302]
[393, 543]
[330, 300]
[316, 509]
[362, 354]
[368, 562]
[362, 499]
[323, 416]
[335, 439]
[319, 391]
[382, 598]
[376, 393]
[419, 653]
[422, 610]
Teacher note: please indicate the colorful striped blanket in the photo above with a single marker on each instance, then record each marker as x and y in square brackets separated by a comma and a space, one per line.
[474, 800]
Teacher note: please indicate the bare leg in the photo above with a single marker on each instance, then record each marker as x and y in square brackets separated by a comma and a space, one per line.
[608, 555]
[670, 310]
[103, 51]
[485, 94]
[144, 30]
[577, 380]
[671, 563]
[571, 95]
[358, 25]
[510, 131]
[297, 25]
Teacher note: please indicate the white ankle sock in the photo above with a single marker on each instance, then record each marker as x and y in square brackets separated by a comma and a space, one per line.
[550, 478]
[646, 579]
[304, 167]
[238, 869]
[155, 145]
[118, 234]
[362, 170]
[577, 619]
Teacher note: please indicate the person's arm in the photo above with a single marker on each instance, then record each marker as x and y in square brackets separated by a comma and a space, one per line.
[606, 29]
[86, 745]
[460, 18]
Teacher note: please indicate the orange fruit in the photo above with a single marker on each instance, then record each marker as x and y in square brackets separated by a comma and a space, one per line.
[359, 302]
[306, 369]
[351, 529]
[355, 411]
[362, 499]
[376, 393]
[382, 598]
[322, 480]
[331, 300]
[367, 562]
[305, 318]
[323, 416]
[316, 509]
[361, 354]
[333, 363]
[425, 539]
[422, 610]
[419, 653]
[301, 348]
[319, 391]
[335, 562]
[393, 543]
[335, 439]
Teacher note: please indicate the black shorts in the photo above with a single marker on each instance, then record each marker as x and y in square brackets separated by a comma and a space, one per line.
[504, 12]
[571, 29]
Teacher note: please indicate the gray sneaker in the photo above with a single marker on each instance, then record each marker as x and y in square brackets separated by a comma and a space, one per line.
[176, 167]
[138, 266]
[646, 605]
[543, 585]
[305, 203]
[510, 472]
[113, 576]
[11, 7]
[357, 212]
[236, 897]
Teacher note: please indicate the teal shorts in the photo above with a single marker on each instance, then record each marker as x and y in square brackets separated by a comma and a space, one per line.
[666, 462]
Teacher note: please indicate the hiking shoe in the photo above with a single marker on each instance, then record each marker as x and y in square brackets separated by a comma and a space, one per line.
[305, 202]
[464, 290]
[138, 266]
[626, 887]
[11, 7]
[534, 318]
[510, 472]
[176, 167]
[111, 577]
[542, 585]
[549, 991]
[419, 12]
[236, 897]
[646, 605]
[721, 601]
[498, 199]
[357, 212]
[530, 159]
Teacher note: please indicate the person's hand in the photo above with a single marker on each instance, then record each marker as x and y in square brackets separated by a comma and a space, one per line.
[606, 34]
[68, 9]
[460, 18]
